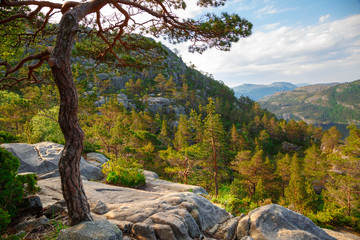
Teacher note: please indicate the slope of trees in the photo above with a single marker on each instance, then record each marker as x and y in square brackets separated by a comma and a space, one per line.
[258, 160]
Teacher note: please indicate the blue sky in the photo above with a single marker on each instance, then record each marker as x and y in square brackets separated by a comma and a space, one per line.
[297, 41]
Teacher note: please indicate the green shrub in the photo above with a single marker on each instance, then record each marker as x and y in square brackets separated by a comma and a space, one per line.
[90, 147]
[127, 178]
[13, 187]
[6, 137]
[124, 172]
[4, 219]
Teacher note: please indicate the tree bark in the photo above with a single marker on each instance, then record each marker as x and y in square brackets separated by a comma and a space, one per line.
[215, 167]
[348, 202]
[71, 184]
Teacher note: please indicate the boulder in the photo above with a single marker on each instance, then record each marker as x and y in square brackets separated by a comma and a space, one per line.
[90, 171]
[53, 210]
[157, 104]
[125, 226]
[102, 100]
[164, 232]
[278, 223]
[118, 82]
[123, 99]
[149, 175]
[176, 223]
[143, 231]
[103, 76]
[94, 230]
[96, 158]
[33, 204]
[227, 230]
[99, 208]
[27, 222]
[43, 158]
[41, 221]
[193, 228]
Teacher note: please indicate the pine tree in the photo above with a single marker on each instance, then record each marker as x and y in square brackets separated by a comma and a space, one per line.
[316, 165]
[299, 192]
[214, 140]
[330, 140]
[283, 171]
[343, 187]
[182, 135]
[251, 168]
[164, 133]
[235, 136]
[160, 83]
[182, 162]
[260, 192]
[196, 127]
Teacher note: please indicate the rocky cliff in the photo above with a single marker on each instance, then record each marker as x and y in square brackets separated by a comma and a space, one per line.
[161, 210]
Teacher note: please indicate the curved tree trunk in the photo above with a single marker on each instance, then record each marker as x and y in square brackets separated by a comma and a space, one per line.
[71, 184]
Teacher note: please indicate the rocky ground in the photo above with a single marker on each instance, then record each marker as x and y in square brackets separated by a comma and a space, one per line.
[161, 211]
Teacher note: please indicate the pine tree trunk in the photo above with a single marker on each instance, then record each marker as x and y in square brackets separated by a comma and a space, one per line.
[215, 167]
[348, 202]
[71, 184]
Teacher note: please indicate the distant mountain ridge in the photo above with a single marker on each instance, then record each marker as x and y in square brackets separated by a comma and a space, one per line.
[258, 91]
[320, 103]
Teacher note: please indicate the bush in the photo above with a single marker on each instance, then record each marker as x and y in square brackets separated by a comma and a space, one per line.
[6, 137]
[127, 178]
[13, 187]
[124, 172]
[4, 219]
[90, 147]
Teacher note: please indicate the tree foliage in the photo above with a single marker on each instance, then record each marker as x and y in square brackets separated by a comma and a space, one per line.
[13, 187]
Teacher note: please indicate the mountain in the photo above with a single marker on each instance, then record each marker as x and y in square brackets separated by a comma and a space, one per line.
[257, 91]
[302, 84]
[321, 103]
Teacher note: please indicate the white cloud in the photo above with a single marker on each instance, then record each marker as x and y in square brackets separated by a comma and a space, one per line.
[327, 49]
[271, 10]
[324, 18]
[268, 10]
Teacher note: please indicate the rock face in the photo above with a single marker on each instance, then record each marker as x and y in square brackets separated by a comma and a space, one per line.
[43, 158]
[96, 159]
[96, 230]
[148, 214]
[157, 104]
[278, 223]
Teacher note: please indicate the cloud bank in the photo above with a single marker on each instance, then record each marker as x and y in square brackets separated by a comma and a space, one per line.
[328, 51]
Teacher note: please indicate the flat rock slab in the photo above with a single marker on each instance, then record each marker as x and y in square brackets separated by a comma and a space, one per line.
[51, 192]
[43, 158]
[158, 185]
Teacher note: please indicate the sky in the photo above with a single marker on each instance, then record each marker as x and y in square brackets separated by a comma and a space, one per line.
[297, 41]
